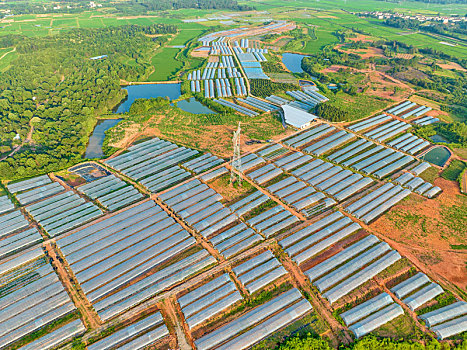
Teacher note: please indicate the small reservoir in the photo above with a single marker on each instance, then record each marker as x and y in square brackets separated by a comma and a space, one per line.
[192, 105]
[293, 61]
[437, 155]
[94, 149]
[171, 90]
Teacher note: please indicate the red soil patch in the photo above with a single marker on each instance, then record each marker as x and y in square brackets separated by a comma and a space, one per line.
[368, 52]
[200, 53]
[335, 68]
[436, 113]
[361, 37]
[452, 65]
[426, 242]
[406, 56]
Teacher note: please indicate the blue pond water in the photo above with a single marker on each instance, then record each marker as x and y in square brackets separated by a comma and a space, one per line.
[172, 91]
[191, 105]
[94, 149]
[439, 138]
[293, 61]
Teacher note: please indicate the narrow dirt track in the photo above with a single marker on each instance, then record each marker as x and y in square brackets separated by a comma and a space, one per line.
[338, 331]
[169, 308]
[90, 317]
[407, 310]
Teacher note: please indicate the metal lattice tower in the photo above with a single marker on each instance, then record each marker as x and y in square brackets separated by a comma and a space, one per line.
[236, 160]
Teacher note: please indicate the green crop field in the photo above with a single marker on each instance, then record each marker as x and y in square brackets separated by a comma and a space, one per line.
[335, 20]
[90, 23]
[165, 64]
[186, 35]
[362, 5]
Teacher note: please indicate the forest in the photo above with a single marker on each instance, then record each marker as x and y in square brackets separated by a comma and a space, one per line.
[438, 28]
[332, 113]
[144, 6]
[54, 89]
[455, 133]
[128, 7]
[264, 88]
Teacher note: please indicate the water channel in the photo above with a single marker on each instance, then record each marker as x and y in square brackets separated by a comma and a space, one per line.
[94, 149]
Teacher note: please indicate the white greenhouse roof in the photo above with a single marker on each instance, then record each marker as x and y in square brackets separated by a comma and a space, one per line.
[297, 117]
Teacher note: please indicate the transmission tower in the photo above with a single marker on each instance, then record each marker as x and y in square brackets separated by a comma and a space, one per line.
[236, 160]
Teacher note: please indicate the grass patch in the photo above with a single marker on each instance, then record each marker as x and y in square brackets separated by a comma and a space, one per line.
[395, 268]
[8, 57]
[402, 219]
[454, 170]
[430, 174]
[230, 191]
[459, 246]
[45, 330]
[455, 217]
[442, 300]
[401, 327]
[357, 106]
[165, 64]
[309, 325]
[260, 209]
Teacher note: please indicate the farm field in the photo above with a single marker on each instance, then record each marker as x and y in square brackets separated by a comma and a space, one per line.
[364, 5]
[240, 175]
[165, 64]
[282, 241]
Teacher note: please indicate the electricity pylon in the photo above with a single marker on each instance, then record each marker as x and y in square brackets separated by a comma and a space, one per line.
[236, 160]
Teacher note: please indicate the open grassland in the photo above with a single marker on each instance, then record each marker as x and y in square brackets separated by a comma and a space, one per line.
[205, 132]
[359, 105]
[213, 131]
[186, 35]
[165, 64]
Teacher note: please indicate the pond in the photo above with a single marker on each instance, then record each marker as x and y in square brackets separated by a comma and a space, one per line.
[437, 155]
[172, 91]
[439, 138]
[94, 149]
[293, 61]
[192, 105]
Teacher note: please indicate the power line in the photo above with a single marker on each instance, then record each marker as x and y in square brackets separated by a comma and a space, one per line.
[236, 160]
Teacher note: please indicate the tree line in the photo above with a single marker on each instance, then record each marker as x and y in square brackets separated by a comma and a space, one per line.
[144, 6]
[127, 7]
[369, 342]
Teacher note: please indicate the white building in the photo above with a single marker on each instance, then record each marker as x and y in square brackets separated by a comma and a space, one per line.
[297, 117]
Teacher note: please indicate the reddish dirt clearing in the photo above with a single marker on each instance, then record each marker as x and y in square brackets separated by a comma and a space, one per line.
[427, 241]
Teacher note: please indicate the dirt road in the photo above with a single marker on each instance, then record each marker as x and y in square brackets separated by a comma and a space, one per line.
[168, 307]
[90, 317]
